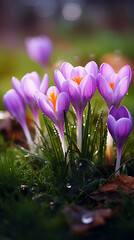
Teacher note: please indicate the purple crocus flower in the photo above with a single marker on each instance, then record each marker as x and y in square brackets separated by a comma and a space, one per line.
[15, 105]
[53, 106]
[80, 84]
[113, 86]
[39, 49]
[26, 88]
[119, 124]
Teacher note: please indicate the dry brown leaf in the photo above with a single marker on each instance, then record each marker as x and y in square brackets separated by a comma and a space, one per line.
[113, 188]
[81, 219]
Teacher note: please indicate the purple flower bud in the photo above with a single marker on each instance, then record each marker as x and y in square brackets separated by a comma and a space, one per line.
[39, 49]
[113, 86]
[119, 124]
[15, 105]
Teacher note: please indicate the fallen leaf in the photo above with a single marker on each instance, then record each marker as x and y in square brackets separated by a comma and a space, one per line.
[81, 219]
[113, 188]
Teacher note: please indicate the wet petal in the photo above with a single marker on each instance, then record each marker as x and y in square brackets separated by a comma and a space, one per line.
[58, 79]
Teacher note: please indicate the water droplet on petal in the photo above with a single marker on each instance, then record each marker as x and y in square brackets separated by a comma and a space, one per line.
[87, 218]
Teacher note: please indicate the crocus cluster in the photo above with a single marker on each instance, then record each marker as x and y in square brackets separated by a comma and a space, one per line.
[75, 85]
[113, 86]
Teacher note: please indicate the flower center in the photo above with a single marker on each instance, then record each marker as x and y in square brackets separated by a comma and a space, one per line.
[77, 79]
[53, 98]
[111, 84]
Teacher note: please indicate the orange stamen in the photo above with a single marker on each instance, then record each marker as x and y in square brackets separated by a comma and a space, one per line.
[53, 98]
[111, 84]
[77, 79]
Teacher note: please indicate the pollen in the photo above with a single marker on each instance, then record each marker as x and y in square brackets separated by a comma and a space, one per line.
[77, 79]
[52, 99]
[111, 84]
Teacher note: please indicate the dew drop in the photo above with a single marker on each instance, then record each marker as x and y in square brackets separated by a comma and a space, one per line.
[86, 218]
[89, 135]
[80, 164]
[26, 155]
[69, 185]
[83, 124]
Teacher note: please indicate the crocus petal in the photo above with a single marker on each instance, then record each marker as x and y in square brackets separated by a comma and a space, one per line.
[28, 87]
[62, 104]
[122, 113]
[35, 77]
[105, 90]
[58, 79]
[72, 89]
[39, 95]
[66, 69]
[52, 89]
[74, 74]
[44, 84]
[16, 85]
[125, 72]
[15, 105]
[123, 128]
[121, 90]
[92, 68]
[81, 71]
[111, 122]
[46, 109]
[106, 70]
[113, 111]
[88, 87]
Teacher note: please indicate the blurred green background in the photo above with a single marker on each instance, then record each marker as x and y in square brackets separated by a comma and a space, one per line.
[81, 31]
